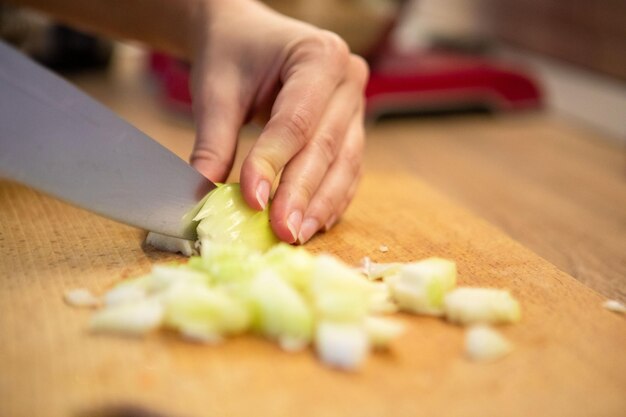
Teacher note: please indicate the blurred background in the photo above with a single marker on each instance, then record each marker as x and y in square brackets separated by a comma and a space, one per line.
[428, 56]
[515, 109]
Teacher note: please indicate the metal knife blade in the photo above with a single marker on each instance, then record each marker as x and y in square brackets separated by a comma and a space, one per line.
[56, 139]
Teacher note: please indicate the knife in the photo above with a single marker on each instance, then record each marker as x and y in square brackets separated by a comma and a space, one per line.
[58, 140]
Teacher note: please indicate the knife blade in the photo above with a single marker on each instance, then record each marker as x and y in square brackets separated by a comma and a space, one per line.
[58, 140]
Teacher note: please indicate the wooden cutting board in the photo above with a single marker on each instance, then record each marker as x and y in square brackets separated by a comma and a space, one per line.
[569, 357]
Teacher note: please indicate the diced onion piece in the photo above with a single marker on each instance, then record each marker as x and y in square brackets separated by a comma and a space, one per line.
[294, 264]
[245, 280]
[420, 287]
[339, 292]
[342, 345]
[466, 305]
[201, 335]
[170, 244]
[376, 270]
[381, 331]
[81, 297]
[290, 344]
[380, 299]
[482, 343]
[383, 248]
[204, 313]
[164, 276]
[127, 292]
[133, 319]
[229, 264]
[280, 311]
[614, 306]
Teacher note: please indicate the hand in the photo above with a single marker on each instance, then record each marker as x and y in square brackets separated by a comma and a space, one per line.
[252, 63]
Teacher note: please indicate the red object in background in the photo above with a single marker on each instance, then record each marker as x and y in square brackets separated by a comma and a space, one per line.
[425, 82]
[174, 76]
[437, 81]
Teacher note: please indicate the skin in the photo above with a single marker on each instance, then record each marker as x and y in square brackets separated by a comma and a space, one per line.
[250, 63]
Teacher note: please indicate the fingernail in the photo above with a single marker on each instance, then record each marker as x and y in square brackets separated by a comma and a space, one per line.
[308, 229]
[263, 193]
[293, 224]
[329, 224]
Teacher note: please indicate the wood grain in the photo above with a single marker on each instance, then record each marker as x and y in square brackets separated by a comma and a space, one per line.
[549, 183]
[553, 186]
[568, 361]
[569, 352]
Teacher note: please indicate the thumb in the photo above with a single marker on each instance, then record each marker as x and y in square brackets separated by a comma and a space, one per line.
[219, 114]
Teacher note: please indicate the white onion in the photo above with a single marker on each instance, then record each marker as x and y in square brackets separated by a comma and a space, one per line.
[81, 297]
[482, 343]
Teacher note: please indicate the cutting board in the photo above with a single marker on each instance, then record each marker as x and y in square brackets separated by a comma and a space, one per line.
[569, 357]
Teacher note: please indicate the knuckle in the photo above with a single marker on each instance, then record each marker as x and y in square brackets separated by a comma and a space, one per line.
[264, 162]
[359, 68]
[335, 45]
[207, 154]
[300, 189]
[328, 44]
[325, 203]
[298, 126]
[326, 145]
[352, 160]
[220, 163]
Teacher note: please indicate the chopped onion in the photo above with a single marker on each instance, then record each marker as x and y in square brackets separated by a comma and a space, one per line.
[420, 287]
[614, 306]
[195, 309]
[245, 281]
[132, 318]
[482, 343]
[467, 305]
[280, 311]
[294, 264]
[380, 299]
[342, 345]
[225, 217]
[201, 335]
[163, 276]
[339, 292]
[381, 331]
[291, 344]
[127, 292]
[376, 270]
[227, 264]
[81, 297]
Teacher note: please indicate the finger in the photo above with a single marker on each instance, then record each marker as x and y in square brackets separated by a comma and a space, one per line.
[304, 173]
[219, 112]
[332, 220]
[338, 186]
[311, 74]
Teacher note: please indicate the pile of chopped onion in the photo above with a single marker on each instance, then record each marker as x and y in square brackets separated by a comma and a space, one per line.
[244, 281]
[285, 294]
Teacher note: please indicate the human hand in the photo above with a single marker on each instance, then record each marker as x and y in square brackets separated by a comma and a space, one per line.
[251, 63]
